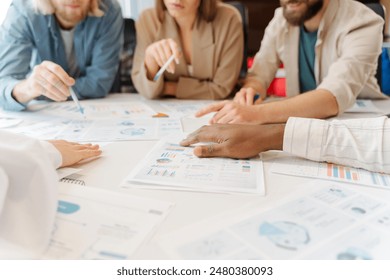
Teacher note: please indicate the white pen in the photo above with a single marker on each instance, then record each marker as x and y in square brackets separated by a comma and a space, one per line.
[76, 100]
[163, 68]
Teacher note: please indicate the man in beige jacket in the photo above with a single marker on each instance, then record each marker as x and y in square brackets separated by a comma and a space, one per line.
[329, 49]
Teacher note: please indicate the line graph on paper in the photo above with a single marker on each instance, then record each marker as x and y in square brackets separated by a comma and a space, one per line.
[305, 168]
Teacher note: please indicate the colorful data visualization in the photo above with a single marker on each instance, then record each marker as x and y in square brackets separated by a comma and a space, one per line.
[300, 167]
[172, 165]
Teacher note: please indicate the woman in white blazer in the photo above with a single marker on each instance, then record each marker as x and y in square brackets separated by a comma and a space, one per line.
[28, 189]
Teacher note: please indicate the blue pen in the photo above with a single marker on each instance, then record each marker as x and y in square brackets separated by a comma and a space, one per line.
[257, 96]
[76, 100]
[163, 68]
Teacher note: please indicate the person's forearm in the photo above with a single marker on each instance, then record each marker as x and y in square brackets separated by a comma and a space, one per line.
[362, 143]
[315, 104]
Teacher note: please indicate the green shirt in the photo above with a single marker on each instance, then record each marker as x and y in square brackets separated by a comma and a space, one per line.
[307, 43]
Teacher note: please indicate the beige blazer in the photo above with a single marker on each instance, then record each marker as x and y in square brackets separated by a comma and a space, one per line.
[217, 55]
[347, 49]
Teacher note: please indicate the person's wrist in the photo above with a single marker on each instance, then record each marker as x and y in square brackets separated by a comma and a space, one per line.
[259, 115]
[21, 92]
[53, 152]
[275, 137]
[151, 67]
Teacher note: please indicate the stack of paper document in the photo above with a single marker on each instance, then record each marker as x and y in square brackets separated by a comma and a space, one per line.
[103, 122]
[171, 166]
[332, 222]
[97, 224]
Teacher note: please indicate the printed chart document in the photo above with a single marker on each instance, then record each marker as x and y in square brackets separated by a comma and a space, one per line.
[183, 108]
[63, 112]
[119, 130]
[176, 167]
[106, 110]
[97, 224]
[109, 130]
[43, 130]
[332, 222]
[305, 168]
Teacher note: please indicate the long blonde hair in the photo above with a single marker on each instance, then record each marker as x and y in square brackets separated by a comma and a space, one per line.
[46, 7]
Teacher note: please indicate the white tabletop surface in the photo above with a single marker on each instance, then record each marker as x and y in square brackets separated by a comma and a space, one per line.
[119, 158]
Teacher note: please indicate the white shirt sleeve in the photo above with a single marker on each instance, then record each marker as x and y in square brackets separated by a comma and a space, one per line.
[28, 191]
[53, 154]
[363, 143]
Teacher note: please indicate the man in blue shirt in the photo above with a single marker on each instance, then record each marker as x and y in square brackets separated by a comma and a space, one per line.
[47, 46]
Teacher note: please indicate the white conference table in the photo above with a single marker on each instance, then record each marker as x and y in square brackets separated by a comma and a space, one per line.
[119, 158]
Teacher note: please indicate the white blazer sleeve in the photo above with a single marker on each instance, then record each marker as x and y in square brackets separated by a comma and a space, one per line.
[28, 191]
[362, 143]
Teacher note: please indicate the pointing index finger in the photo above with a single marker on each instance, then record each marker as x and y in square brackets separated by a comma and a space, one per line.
[210, 108]
[192, 138]
[210, 150]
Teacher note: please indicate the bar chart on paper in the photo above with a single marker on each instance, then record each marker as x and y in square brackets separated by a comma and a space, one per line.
[305, 168]
[169, 165]
[355, 175]
[341, 172]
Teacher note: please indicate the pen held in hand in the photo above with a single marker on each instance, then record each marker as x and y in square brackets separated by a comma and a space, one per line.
[76, 100]
[163, 68]
[256, 97]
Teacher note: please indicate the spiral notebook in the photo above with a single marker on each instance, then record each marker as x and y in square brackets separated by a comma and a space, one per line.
[73, 181]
